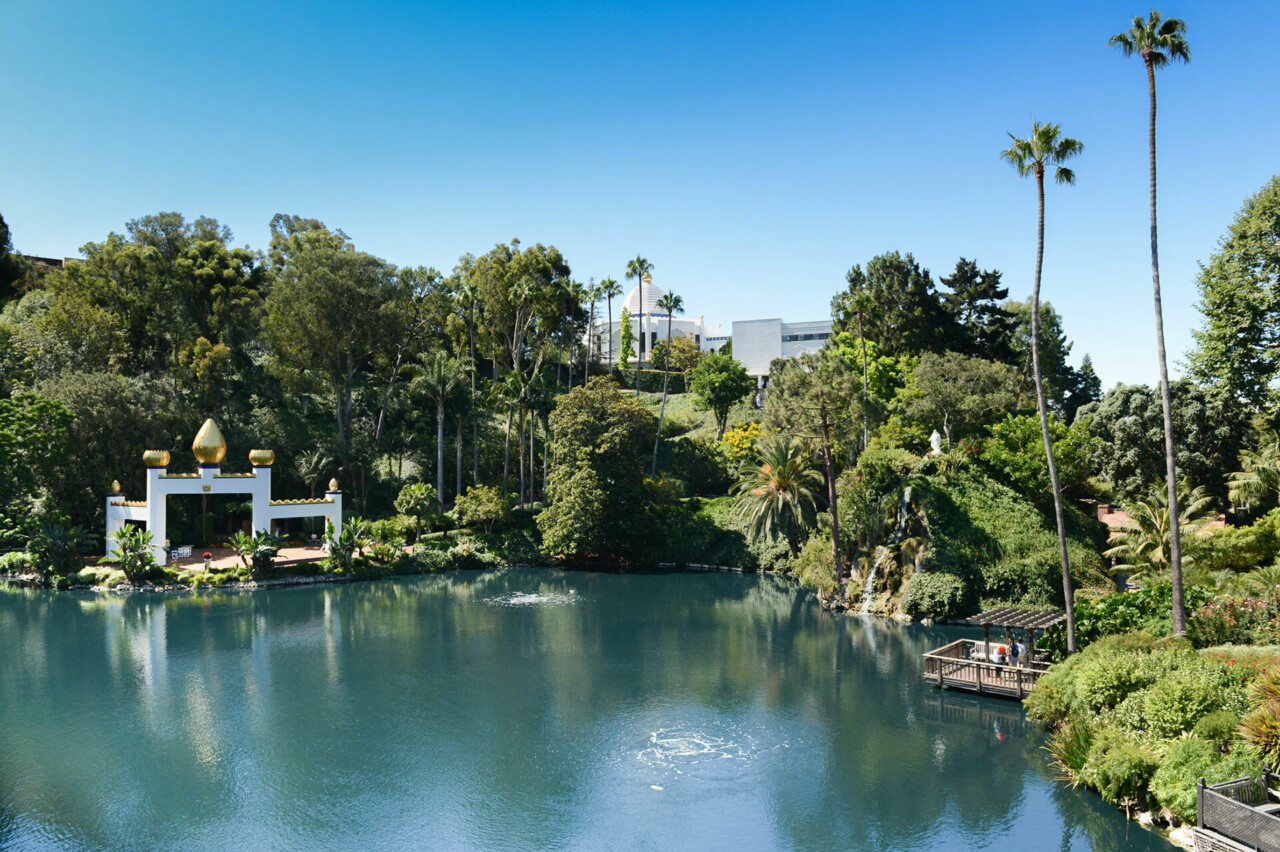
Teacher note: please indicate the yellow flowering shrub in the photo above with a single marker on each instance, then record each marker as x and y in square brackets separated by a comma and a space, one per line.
[740, 441]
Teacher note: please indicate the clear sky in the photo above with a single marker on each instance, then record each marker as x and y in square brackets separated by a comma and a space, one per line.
[752, 151]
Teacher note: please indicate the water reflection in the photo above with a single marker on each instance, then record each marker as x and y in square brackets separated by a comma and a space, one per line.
[512, 709]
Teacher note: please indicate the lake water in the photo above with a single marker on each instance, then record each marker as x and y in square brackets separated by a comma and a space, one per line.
[521, 709]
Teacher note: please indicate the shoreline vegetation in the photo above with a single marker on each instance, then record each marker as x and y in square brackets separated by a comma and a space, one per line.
[936, 455]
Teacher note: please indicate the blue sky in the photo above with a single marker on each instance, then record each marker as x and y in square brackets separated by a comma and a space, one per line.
[752, 151]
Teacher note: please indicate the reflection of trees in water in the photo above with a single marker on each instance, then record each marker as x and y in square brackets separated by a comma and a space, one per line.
[210, 706]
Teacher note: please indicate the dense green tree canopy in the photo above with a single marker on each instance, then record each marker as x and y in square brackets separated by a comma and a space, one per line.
[1129, 424]
[1237, 351]
[599, 503]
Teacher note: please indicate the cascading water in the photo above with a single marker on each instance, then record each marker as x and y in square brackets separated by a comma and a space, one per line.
[883, 552]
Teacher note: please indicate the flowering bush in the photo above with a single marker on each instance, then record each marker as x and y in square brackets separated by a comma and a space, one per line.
[740, 441]
[1240, 621]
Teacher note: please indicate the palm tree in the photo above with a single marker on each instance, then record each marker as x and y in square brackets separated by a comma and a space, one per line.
[1146, 541]
[469, 294]
[1046, 147]
[673, 305]
[777, 491]
[577, 295]
[1260, 475]
[438, 377]
[311, 467]
[1158, 40]
[609, 288]
[593, 293]
[639, 269]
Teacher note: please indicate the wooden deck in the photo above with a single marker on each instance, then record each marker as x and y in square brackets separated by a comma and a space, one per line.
[960, 666]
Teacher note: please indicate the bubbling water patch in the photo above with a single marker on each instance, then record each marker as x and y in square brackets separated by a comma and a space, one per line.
[534, 599]
[703, 754]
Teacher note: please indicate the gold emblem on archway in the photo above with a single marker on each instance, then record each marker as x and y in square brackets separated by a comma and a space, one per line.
[209, 446]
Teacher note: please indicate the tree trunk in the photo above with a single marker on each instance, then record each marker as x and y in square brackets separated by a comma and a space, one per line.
[866, 432]
[830, 469]
[610, 301]
[506, 457]
[520, 453]
[440, 452]
[475, 428]
[640, 324]
[1067, 592]
[666, 374]
[1170, 458]
[457, 492]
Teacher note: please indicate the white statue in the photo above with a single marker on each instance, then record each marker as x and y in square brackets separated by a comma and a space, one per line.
[935, 441]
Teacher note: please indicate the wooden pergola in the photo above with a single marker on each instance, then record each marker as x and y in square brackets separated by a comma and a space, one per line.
[1012, 618]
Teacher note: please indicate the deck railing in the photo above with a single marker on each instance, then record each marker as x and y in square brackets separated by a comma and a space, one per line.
[960, 665]
[1240, 811]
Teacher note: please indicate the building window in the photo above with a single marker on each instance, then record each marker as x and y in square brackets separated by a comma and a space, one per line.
[697, 340]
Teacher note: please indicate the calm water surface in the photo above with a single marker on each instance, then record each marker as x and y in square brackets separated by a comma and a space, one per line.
[508, 710]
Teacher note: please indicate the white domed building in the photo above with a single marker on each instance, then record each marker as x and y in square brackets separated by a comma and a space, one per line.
[649, 324]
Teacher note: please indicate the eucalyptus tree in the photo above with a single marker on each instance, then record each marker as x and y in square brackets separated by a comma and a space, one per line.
[438, 377]
[638, 269]
[1047, 148]
[672, 304]
[609, 288]
[1159, 41]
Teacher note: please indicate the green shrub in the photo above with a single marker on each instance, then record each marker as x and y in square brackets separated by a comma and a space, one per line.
[482, 505]
[1174, 704]
[17, 562]
[1047, 704]
[133, 550]
[419, 503]
[814, 567]
[702, 464]
[1217, 728]
[1260, 727]
[1120, 767]
[1070, 746]
[1108, 678]
[935, 594]
[468, 555]
[58, 547]
[390, 531]
[1187, 761]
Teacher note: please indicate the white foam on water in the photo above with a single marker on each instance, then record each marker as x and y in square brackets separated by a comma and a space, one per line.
[534, 599]
[701, 754]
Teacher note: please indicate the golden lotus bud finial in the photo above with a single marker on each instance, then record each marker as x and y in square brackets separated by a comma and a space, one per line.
[333, 485]
[209, 446]
[115, 486]
[262, 458]
[647, 278]
[156, 458]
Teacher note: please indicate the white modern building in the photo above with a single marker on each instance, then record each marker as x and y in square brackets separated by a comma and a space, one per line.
[757, 343]
[209, 448]
[649, 322]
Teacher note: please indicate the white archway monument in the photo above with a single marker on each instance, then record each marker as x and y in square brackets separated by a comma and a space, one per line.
[210, 448]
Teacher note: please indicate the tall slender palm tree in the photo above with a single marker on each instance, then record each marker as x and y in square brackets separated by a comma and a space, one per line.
[311, 466]
[638, 269]
[593, 294]
[609, 288]
[438, 377]
[1046, 148]
[1159, 40]
[469, 295]
[577, 295]
[777, 491]
[672, 305]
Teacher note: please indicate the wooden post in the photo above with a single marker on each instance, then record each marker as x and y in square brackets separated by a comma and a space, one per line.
[1200, 803]
[1018, 672]
[939, 674]
[978, 668]
[986, 643]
